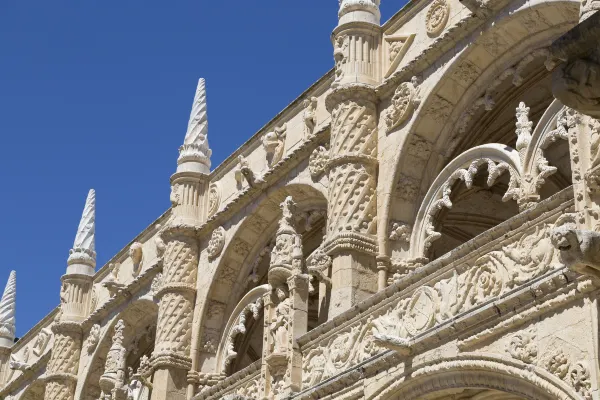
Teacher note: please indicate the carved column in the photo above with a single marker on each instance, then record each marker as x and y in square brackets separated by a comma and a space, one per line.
[171, 360]
[63, 366]
[112, 380]
[286, 310]
[352, 165]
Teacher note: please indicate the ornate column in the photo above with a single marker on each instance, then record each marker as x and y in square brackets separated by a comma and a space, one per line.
[112, 380]
[286, 310]
[171, 359]
[7, 324]
[352, 166]
[75, 297]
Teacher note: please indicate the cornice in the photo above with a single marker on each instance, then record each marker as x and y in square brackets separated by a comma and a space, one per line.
[30, 373]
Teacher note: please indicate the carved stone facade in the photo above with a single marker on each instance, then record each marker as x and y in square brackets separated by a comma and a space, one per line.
[423, 223]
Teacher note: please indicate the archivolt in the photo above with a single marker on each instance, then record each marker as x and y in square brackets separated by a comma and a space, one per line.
[485, 371]
[496, 157]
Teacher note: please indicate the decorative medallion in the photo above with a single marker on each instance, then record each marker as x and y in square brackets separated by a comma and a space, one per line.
[403, 105]
[214, 199]
[317, 161]
[216, 243]
[437, 17]
[420, 314]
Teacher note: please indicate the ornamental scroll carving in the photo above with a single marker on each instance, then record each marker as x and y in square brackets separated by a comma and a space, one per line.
[404, 103]
[469, 284]
[216, 243]
[93, 338]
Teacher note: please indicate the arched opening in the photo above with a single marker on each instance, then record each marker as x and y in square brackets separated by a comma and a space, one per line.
[139, 321]
[231, 335]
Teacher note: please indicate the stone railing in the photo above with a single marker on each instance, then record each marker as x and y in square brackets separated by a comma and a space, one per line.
[511, 264]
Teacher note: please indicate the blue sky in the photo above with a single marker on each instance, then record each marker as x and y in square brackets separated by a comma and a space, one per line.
[97, 94]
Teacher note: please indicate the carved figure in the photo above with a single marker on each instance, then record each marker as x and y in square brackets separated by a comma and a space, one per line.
[310, 115]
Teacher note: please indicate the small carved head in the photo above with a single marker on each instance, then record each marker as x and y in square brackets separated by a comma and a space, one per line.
[136, 254]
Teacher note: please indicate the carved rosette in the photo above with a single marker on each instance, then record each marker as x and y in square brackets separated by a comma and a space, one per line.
[216, 243]
[403, 105]
[352, 170]
[317, 162]
[176, 294]
[437, 17]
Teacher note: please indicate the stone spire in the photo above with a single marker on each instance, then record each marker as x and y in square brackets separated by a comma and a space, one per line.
[7, 312]
[359, 11]
[195, 154]
[82, 257]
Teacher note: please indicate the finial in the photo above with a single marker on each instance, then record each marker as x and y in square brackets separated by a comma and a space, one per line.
[7, 312]
[359, 10]
[524, 126]
[82, 257]
[195, 145]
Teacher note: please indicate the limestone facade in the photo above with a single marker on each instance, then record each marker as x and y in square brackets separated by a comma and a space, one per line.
[422, 223]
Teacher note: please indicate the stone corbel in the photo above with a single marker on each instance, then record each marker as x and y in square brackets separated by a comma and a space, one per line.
[399, 345]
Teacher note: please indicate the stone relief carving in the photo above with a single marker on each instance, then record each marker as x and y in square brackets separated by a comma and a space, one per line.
[20, 363]
[513, 263]
[577, 85]
[159, 243]
[340, 55]
[407, 188]
[274, 144]
[398, 45]
[216, 243]
[400, 231]
[279, 326]
[244, 172]
[93, 338]
[558, 364]
[318, 264]
[136, 253]
[112, 283]
[175, 196]
[437, 17]
[214, 199]
[523, 346]
[317, 162]
[579, 377]
[404, 102]
[310, 115]
[41, 341]
[156, 284]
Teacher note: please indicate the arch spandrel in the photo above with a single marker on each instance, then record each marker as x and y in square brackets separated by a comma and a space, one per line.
[246, 238]
[450, 90]
[140, 317]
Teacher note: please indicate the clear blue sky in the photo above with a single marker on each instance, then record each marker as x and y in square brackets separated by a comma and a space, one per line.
[97, 94]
